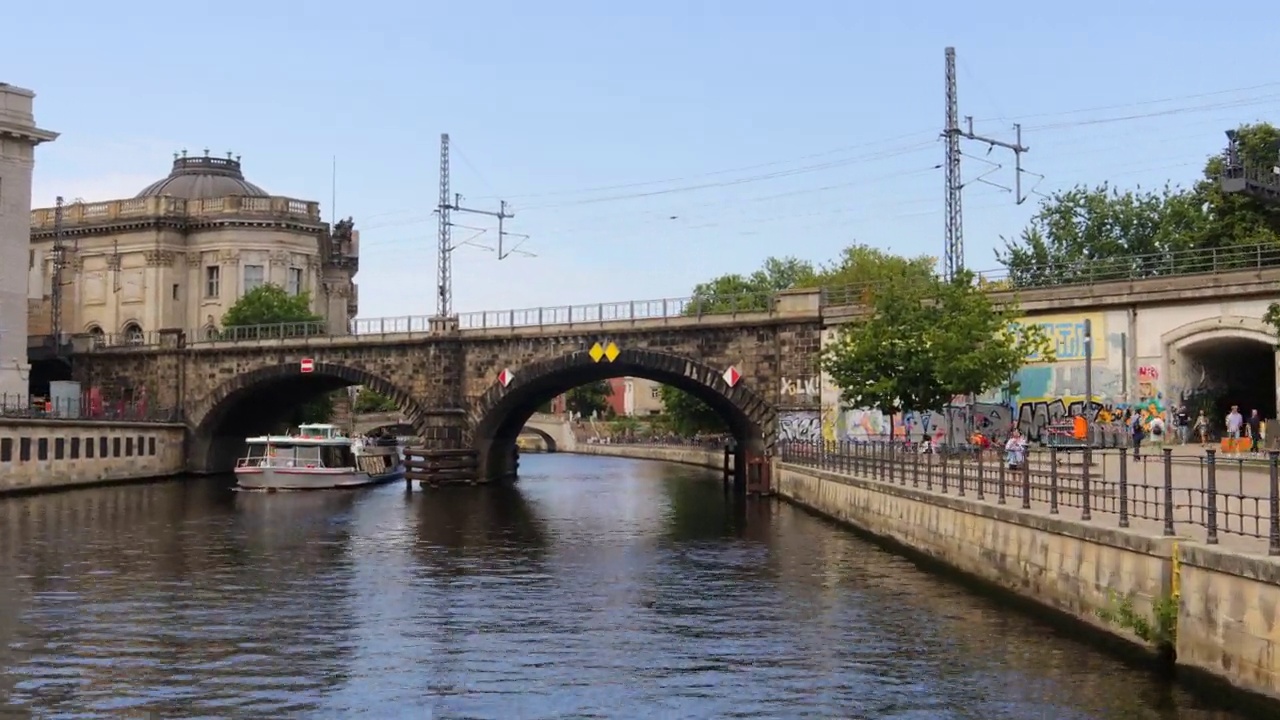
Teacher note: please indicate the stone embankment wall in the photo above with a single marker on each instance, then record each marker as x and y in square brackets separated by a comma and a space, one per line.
[700, 457]
[1228, 604]
[49, 454]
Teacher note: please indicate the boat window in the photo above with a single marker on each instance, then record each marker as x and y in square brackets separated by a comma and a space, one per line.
[305, 456]
[336, 456]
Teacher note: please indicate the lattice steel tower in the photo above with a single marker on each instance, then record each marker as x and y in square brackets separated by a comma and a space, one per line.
[954, 259]
[444, 274]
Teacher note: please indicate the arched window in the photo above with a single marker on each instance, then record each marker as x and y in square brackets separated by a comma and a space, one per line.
[133, 334]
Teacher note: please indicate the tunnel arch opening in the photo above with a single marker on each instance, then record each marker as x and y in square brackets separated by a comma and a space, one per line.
[1228, 367]
[503, 411]
[265, 401]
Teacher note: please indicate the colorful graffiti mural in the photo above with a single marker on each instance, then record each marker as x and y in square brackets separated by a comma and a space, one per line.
[800, 426]
[1068, 336]
[860, 425]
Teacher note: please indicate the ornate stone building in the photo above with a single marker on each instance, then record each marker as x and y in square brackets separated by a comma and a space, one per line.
[182, 251]
[18, 139]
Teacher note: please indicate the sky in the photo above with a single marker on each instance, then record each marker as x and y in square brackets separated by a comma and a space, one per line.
[643, 147]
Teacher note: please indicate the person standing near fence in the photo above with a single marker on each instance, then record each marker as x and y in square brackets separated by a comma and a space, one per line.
[1255, 431]
[1135, 427]
[1182, 420]
[1202, 428]
[1234, 424]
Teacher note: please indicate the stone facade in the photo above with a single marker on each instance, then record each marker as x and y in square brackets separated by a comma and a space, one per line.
[181, 253]
[18, 139]
[46, 454]
[447, 384]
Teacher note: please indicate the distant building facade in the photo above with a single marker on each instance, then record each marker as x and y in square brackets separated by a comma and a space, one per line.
[181, 252]
[19, 137]
[630, 397]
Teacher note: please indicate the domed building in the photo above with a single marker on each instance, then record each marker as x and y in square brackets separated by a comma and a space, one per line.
[181, 252]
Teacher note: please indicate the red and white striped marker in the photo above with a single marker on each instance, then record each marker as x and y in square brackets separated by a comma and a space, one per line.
[732, 376]
[307, 365]
[506, 376]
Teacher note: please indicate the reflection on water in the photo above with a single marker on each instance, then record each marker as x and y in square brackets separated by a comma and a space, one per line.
[599, 587]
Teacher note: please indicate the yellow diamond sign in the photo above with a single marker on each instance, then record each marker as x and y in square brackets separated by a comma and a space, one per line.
[596, 352]
[611, 351]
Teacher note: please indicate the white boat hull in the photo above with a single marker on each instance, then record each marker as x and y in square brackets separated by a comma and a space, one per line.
[279, 478]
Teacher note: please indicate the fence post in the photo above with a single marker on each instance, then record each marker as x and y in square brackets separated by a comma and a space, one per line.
[915, 469]
[1124, 487]
[1000, 480]
[1026, 482]
[942, 476]
[1086, 511]
[928, 472]
[1211, 501]
[981, 496]
[960, 475]
[1274, 548]
[1053, 481]
[1168, 491]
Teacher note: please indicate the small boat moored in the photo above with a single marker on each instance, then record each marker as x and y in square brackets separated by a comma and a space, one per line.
[319, 457]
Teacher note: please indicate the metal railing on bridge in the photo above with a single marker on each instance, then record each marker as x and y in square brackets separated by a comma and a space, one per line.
[1064, 274]
[1210, 496]
[88, 406]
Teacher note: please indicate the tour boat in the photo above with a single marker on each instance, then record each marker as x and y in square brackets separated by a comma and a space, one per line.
[319, 457]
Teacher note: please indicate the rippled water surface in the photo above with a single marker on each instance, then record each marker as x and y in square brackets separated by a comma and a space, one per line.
[598, 588]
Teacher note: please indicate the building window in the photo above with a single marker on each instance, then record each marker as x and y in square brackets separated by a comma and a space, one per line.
[254, 276]
[133, 334]
[655, 392]
[295, 281]
[175, 291]
[212, 281]
[89, 445]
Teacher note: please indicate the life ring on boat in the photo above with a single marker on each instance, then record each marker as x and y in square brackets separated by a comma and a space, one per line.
[311, 465]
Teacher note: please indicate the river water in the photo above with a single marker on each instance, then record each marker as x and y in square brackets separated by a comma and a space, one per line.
[597, 588]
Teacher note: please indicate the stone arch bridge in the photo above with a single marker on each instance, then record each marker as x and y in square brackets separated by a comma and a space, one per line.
[448, 382]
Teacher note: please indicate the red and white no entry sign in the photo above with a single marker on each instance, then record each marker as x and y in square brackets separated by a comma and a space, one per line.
[307, 365]
[732, 376]
[506, 376]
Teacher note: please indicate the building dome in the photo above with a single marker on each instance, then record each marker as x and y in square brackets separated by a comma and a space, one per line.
[197, 178]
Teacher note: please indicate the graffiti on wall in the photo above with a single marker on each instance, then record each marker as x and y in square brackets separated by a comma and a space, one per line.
[1037, 415]
[1066, 332]
[800, 426]
[860, 425]
[800, 389]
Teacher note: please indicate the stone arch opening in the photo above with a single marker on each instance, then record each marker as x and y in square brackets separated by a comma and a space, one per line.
[503, 411]
[547, 441]
[1222, 362]
[132, 333]
[266, 400]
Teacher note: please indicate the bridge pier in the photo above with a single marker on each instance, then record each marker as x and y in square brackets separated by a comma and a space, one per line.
[431, 467]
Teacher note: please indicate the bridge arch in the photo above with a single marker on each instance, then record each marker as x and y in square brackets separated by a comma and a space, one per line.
[256, 402]
[1222, 361]
[501, 412]
[548, 441]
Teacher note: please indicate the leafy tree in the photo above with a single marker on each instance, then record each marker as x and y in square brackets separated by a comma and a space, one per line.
[737, 293]
[372, 401]
[270, 311]
[1102, 232]
[316, 410]
[589, 398]
[926, 341]
[687, 415]
[861, 267]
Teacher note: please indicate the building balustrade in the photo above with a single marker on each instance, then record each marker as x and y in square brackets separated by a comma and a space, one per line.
[99, 213]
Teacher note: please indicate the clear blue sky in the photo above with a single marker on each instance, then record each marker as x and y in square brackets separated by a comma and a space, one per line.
[837, 105]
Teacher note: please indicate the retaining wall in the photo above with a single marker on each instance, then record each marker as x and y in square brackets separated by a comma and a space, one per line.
[1228, 604]
[50, 454]
[713, 459]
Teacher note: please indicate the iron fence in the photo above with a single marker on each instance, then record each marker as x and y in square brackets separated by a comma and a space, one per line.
[713, 444]
[88, 406]
[1211, 496]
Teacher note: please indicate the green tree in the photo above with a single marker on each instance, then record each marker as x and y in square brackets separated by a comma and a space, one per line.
[372, 401]
[738, 293]
[317, 410]
[1103, 232]
[589, 398]
[861, 267]
[687, 415]
[270, 311]
[926, 341]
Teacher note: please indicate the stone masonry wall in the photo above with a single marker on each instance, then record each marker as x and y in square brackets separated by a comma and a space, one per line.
[47, 454]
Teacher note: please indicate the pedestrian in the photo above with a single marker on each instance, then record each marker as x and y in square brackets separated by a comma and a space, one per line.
[1255, 431]
[1202, 428]
[1234, 424]
[1135, 426]
[1182, 420]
